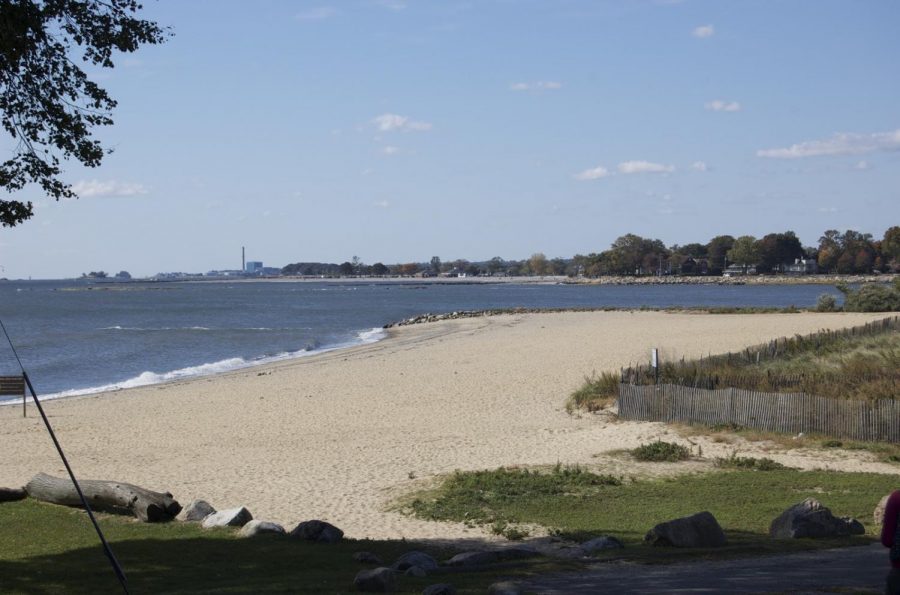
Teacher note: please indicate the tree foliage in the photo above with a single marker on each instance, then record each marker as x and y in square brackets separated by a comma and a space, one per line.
[49, 105]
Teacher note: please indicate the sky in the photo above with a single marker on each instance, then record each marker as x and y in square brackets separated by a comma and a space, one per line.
[397, 130]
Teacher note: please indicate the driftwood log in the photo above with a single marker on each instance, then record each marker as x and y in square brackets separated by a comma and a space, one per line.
[107, 496]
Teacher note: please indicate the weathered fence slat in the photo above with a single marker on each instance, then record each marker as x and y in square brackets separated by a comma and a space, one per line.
[778, 412]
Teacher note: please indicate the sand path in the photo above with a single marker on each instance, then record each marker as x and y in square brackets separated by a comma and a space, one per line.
[339, 435]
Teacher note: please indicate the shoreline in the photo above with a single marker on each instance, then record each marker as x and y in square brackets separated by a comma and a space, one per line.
[341, 435]
[779, 279]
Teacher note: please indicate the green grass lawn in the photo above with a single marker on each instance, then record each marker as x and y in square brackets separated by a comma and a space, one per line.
[578, 505]
[52, 549]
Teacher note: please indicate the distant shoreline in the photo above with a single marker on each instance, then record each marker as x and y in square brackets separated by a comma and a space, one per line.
[546, 280]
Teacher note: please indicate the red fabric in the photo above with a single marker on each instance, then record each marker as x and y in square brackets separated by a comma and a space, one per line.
[889, 527]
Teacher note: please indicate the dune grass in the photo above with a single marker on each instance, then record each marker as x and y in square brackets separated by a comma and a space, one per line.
[53, 549]
[859, 363]
[580, 505]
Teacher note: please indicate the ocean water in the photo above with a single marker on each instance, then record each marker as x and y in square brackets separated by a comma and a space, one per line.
[80, 338]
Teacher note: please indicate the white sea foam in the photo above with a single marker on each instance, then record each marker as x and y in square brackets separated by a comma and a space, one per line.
[225, 365]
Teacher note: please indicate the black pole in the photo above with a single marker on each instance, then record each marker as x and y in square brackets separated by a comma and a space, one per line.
[120, 574]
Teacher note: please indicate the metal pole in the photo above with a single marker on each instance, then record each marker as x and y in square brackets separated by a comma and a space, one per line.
[117, 568]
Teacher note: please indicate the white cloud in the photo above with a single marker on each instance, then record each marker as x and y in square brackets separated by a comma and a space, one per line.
[862, 165]
[704, 31]
[316, 14]
[381, 204]
[594, 173]
[536, 86]
[391, 122]
[844, 143]
[644, 167]
[699, 166]
[723, 106]
[390, 150]
[367, 172]
[91, 188]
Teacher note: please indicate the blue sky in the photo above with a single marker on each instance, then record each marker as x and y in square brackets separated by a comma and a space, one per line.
[397, 130]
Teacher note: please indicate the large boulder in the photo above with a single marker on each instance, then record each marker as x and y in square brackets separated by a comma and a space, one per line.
[811, 519]
[878, 514]
[698, 530]
[376, 580]
[233, 517]
[415, 558]
[439, 589]
[318, 531]
[254, 528]
[197, 510]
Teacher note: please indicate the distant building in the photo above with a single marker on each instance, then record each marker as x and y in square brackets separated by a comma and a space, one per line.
[734, 270]
[802, 266]
[253, 267]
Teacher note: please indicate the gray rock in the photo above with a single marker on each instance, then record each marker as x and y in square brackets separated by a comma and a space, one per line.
[604, 542]
[197, 510]
[318, 531]
[254, 528]
[367, 558]
[439, 589]
[878, 515]
[505, 588]
[376, 580]
[233, 517]
[480, 558]
[698, 530]
[810, 519]
[415, 558]
[473, 559]
[416, 571]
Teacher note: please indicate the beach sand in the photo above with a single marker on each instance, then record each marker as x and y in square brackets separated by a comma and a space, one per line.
[339, 436]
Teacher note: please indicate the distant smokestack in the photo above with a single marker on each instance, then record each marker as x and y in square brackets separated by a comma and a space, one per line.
[243, 258]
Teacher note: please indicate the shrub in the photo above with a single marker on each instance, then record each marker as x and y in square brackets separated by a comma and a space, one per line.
[871, 298]
[661, 451]
[736, 462]
[826, 303]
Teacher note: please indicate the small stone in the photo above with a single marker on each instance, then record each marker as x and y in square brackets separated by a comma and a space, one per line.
[233, 517]
[415, 558]
[473, 559]
[254, 528]
[505, 588]
[376, 580]
[197, 510]
[367, 558]
[439, 589]
[416, 571]
[318, 531]
[604, 542]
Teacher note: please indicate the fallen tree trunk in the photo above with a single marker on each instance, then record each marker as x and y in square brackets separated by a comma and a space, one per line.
[107, 496]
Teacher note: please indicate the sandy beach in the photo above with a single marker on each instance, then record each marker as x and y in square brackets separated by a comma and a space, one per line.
[339, 436]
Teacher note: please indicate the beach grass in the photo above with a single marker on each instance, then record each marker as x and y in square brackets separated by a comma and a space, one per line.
[862, 364]
[582, 505]
[52, 549]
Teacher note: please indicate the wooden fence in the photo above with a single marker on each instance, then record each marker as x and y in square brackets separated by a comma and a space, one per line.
[774, 412]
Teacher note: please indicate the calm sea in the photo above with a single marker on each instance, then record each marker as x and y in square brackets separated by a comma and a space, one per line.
[77, 338]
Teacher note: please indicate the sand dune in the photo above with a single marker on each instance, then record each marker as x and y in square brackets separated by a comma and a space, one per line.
[338, 436]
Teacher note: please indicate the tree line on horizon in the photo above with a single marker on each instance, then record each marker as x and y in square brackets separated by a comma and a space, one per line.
[850, 252]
